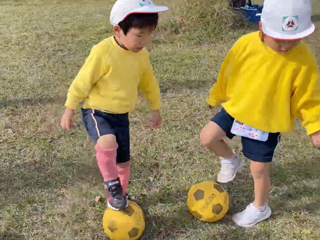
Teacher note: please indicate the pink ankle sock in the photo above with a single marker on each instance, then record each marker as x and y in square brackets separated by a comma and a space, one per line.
[106, 159]
[124, 173]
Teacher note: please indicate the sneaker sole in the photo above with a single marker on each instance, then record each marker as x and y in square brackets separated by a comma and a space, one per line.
[117, 209]
[233, 177]
[251, 225]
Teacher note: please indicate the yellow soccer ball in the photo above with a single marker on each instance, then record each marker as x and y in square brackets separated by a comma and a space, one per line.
[208, 201]
[127, 224]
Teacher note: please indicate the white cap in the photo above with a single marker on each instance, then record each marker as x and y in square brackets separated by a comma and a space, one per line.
[287, 19]
[123, 8]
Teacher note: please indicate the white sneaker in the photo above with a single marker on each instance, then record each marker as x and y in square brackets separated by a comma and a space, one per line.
[229, 169]
[251, 216]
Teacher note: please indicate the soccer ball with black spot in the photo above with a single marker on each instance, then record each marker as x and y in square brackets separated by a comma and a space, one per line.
[208, 201]
[128, 224]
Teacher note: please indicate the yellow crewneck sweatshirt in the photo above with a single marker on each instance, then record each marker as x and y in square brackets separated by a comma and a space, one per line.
[265, 89]
[110, 78]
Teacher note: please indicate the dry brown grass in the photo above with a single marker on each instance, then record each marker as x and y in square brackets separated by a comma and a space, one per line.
[201, 21]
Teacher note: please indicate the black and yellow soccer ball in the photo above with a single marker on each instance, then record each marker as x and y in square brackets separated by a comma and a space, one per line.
[208, 201]
[127, 224]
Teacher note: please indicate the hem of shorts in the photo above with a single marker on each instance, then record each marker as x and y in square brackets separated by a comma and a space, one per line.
[120, 162]
[228, 135]
[257, 159]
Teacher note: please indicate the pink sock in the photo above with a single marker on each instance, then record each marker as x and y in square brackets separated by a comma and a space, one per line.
[107, 163]
[124, 173]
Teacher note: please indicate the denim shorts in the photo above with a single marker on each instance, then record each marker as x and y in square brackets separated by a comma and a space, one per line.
[100, 123]
[252, 149]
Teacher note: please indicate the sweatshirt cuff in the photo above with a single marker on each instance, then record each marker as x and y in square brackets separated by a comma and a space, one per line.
[312, 127]
[155, 106]
[70, 103]
[213, 102]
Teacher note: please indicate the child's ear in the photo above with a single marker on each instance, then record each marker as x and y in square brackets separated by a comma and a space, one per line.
[117, 30]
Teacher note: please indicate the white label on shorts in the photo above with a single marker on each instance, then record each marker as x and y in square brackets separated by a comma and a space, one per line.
[243, 130]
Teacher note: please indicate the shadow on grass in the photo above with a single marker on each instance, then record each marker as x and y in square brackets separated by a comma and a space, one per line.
[173, 85]
[288, 200]
[177, 86]
[15, 103]
[181, 223]
[306, 185]
[316, 18]
[9, 235]
[19, 183]
[85, 172]
[297, 181]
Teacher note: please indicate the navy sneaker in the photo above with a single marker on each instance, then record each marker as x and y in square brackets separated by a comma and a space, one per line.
[116, 200]
[127, 196]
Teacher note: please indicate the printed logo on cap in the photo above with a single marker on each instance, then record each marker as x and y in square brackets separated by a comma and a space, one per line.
[144, 3]
[290, 24]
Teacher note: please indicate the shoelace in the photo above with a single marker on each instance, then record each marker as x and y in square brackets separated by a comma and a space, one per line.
[226, 166]
[250, 213]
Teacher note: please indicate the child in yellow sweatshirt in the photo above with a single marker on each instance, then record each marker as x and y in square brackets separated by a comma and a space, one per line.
[108, 84]
[267, 78]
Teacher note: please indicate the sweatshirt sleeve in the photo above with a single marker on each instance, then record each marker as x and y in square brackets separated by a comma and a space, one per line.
[305, 100]
[150, 88]
[218, 91]
[93, 69]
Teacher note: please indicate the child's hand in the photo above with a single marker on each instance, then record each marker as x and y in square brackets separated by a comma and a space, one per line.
[316, 138]
[67, 119]
[156, 119]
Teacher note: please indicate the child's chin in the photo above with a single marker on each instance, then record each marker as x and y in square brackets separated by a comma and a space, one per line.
[283, 52]
[136, 50]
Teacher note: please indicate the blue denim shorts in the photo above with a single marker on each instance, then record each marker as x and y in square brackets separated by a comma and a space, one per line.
[100, 123]
[252, 149]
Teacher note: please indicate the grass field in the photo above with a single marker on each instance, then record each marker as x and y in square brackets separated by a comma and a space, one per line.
[49, 178]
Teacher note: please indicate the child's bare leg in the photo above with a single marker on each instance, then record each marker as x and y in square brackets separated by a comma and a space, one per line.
[108, 141]
[211, 137]
[258, 210]
[262, 154]
[260, 173]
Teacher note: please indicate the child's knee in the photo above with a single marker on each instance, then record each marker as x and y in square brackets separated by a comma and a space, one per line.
[259, 169]
[210, 134]
[107, 142]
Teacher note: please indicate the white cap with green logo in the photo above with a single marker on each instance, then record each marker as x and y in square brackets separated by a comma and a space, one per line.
[287, 19]
[123, 8]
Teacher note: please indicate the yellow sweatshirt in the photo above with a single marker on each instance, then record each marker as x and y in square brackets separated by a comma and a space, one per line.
[110, 78]
[265, 89]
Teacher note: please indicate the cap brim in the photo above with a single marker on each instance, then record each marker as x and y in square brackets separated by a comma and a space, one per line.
[147, 9]
[297, 36]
